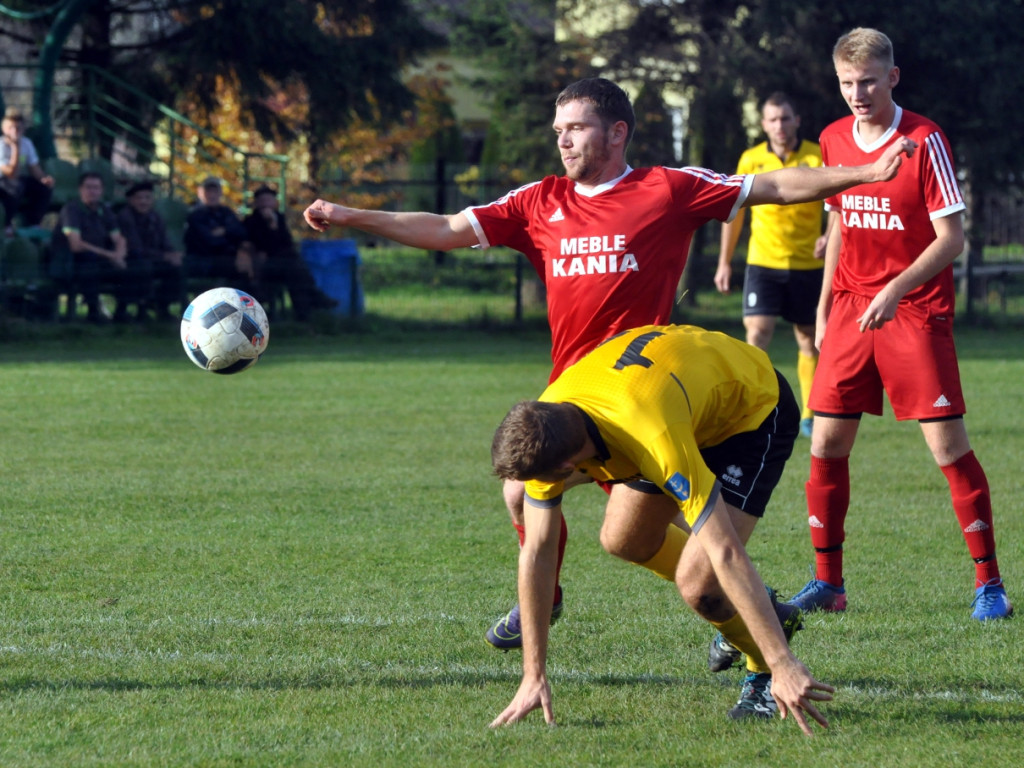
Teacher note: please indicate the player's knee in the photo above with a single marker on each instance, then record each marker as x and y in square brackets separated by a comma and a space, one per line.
[627, 545]
[513, 493]
[759, 338]
[614, 542]
[709, 604]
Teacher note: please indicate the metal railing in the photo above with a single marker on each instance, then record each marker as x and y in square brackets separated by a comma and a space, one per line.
[96, 115]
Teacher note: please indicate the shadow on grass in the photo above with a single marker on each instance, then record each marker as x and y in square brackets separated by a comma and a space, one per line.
[76, 341]
[338, 679]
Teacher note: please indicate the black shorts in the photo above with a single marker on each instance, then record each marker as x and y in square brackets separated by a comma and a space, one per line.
[791, 294]
[749, 465]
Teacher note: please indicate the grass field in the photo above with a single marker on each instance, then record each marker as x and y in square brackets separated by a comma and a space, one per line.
[295, 567]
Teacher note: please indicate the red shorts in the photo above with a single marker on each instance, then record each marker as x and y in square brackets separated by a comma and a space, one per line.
[912, 358]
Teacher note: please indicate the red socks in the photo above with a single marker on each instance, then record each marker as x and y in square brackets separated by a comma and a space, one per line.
[828, 499]
[973, 507]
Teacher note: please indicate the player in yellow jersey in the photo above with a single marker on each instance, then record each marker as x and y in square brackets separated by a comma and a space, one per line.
[786, 249]
[706, 424]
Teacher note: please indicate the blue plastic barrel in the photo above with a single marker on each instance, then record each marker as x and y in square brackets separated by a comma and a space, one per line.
[334, 265]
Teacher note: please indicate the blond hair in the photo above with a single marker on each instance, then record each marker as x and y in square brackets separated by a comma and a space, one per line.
[861, 45]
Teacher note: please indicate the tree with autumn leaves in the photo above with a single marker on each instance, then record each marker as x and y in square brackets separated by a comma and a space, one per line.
[320, 80]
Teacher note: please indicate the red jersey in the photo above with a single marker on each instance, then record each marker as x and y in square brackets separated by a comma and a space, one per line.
[887, 225]
[610, 258]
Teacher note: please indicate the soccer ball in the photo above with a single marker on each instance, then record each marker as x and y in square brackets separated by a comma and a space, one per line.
[224, 330]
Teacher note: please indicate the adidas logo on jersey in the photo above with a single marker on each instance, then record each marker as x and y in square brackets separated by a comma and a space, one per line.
[557, 216]
[942, 402]
[976, 527]
[814, 522]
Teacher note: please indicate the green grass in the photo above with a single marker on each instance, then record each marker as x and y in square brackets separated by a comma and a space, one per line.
[295, 566]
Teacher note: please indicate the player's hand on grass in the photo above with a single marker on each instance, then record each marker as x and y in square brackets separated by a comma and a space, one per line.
[795, 692]
[534, 693]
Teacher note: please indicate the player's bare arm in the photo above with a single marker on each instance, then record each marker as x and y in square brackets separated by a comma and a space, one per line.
[940, 253]
[537, 563]
[803, 185]
[793, 687]
[730, 238]
[431, 231]
[831, 260]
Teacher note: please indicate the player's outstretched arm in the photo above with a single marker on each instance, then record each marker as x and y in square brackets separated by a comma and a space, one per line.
[888, 164]
[802, 185]
[431, 231]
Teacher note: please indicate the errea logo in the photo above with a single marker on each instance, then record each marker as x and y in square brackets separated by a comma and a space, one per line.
[732, 475]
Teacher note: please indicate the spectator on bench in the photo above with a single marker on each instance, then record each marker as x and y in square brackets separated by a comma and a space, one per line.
[89, 234]
[278, 263]
[24, 186]
[150, 252]
[215, 241]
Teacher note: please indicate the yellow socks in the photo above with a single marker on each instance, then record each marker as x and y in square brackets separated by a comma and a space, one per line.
[805, 367]
[664, 563]
[735, 631]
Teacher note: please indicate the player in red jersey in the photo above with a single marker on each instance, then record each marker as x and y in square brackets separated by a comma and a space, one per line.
[888, 301]
[610, 243]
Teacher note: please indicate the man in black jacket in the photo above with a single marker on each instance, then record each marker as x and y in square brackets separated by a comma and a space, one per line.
[278, 263]
[215, 241]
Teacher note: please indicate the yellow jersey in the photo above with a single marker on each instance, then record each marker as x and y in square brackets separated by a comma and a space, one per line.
[652, 398]
[783, 236]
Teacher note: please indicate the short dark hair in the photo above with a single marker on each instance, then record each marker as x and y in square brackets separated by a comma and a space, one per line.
[610, 102]
[86, 175]
[535, 438]
[780, 99]
[139, 186]
[264, 190]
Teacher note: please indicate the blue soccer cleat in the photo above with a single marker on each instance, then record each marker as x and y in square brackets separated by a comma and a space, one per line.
[506, 634]
[819, 595]
[807, 426]
[990, 601]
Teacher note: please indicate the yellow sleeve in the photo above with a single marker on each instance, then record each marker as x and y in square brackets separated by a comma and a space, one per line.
[544, 495]
[673, 463]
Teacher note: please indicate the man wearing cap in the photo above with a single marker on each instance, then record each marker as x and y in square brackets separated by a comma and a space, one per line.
[215, 240]
[278, 263]
[151, 255]
[24, 186]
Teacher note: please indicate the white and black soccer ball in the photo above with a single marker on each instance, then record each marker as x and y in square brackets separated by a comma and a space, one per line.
[224, 330]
